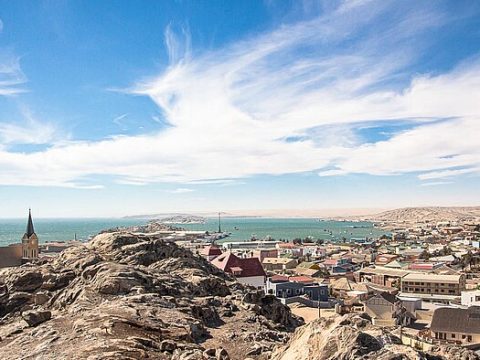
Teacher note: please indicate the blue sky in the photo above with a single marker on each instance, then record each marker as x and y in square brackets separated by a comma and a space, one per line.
[117, 108]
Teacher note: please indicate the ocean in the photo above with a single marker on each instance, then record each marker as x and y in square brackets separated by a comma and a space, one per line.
[12, 230]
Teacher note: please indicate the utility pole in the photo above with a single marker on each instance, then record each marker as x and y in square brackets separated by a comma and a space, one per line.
[219, 227]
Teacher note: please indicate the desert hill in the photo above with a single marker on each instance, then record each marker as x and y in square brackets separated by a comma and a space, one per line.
[423, 214]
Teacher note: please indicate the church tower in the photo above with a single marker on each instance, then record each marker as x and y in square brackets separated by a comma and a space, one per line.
[30, 240]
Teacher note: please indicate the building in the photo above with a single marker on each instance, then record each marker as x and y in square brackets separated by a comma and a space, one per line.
[456, 325]
[386, 310]
[338, 266]
[30, 240]
[381, 276]
[264, 253]
[210, 252]
[19, 253]
[471, 298]
[247, 271]
[278, 264]
[433, 284]
[285, 289]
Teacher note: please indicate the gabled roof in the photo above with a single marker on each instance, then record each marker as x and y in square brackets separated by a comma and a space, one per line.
[211, 250]
[466, 321]
[308, 265]
[341, 284]
[243, 267]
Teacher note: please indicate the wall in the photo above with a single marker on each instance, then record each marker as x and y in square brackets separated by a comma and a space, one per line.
[11, 255]
[256, 281]
[416, 343]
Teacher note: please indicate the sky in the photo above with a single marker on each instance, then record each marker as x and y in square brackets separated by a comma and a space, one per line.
[125, 107]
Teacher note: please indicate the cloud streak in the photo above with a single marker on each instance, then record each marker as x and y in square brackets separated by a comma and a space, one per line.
[259, 106]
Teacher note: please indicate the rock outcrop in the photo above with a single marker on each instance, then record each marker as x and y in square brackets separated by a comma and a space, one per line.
[354, 337]
[125, 296]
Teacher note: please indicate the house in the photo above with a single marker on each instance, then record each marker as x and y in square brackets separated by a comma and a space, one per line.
[386, 310]
[309, 272]
[289, 249]
[278, 264]
[289, 289]
[316, 252]
[247, 271]
[381, 276]
[264, 253]
[456, 325]
[338, 266]
[341, 286]
[309, 268]
[470, 298]
[210, 252]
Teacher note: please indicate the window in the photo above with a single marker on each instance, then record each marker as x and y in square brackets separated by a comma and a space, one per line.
[453, 336]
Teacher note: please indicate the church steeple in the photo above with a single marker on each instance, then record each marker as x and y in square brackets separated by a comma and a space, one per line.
[30, 229]
[29, 241]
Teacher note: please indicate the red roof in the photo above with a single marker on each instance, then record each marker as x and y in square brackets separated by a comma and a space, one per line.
[330, 262]
[286, 245]
[211, 250]
[231, 263]
[279, 278]
[301, 279]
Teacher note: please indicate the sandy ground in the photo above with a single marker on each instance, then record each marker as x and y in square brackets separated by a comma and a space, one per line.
[309, 314]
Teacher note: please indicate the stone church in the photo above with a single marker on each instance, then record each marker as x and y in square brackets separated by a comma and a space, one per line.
[20, 253]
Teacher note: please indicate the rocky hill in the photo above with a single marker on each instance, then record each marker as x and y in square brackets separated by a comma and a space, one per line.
[133, 297]
[354, 337]
[430, 214]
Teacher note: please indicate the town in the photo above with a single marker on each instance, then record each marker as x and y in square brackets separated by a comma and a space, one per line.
[420, 279]
[423, 279]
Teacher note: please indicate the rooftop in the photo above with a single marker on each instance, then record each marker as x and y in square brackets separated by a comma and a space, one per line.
[432, 278]
[466, 321]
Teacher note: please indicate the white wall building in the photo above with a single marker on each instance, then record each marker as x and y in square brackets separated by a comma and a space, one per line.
[471, 298]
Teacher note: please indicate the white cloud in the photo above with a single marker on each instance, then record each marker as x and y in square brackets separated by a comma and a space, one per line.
[436, 183]
[232, 109]
[29, 131]
[181, 191]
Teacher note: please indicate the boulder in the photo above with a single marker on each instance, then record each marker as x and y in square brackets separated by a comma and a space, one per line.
[34, 318]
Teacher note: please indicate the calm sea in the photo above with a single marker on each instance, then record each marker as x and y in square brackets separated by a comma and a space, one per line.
[11, 231]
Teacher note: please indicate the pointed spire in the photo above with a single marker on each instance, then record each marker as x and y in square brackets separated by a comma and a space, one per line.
[30, 228]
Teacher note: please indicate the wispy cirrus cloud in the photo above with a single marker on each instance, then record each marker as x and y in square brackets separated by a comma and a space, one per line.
[30, 130]
[12, 77]
[288, 101]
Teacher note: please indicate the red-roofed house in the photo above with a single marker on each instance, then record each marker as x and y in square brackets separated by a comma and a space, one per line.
[210, 252]
[247, 271]
[301, 279]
